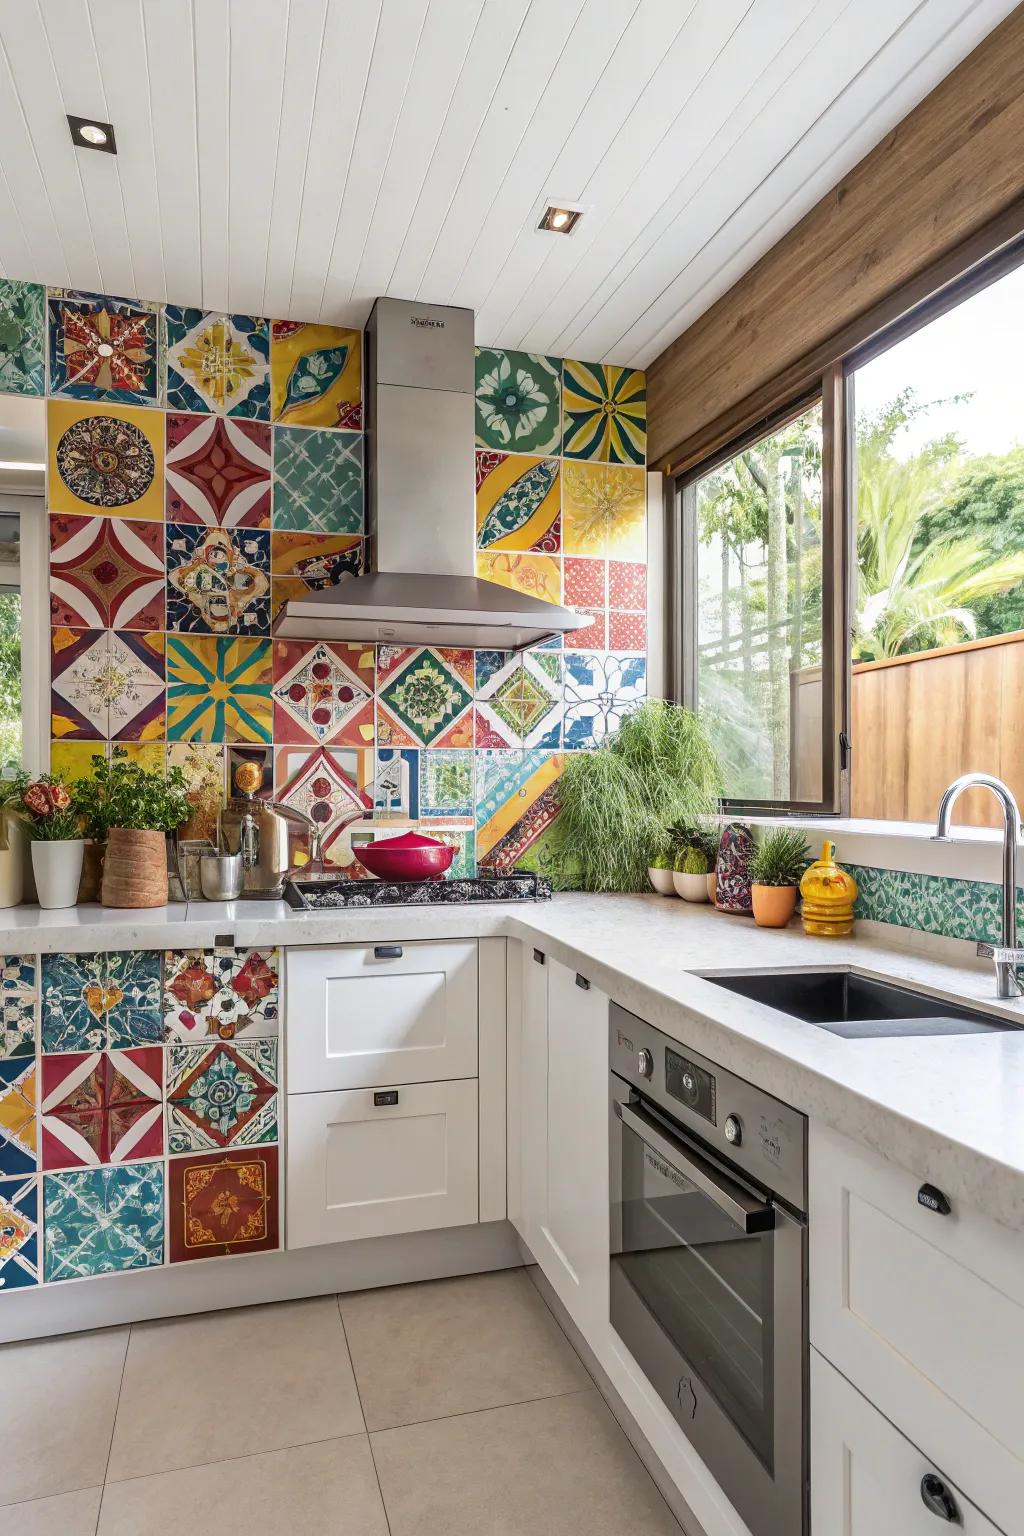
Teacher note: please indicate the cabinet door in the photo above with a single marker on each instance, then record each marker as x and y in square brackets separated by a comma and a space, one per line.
[867, 1479]
[357, 1168]
[533, 1097]
[366, 1015]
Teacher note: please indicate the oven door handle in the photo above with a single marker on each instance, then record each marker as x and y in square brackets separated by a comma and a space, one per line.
[749, 1214]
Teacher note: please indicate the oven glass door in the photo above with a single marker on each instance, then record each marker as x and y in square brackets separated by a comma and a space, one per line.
[707, 1282]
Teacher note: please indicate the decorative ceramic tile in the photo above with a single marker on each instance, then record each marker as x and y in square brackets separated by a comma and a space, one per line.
[516, 803]
[318, 480]
[17, 1117]
[309, 562]
[104, 459]
[520, 704]
[957, 909]
[106, 573]
[223, 1203]
[604, 413]
[90, 1001]
[99, 1220]
[518, 401]
[218, 472]
[19, 1233]
[446, 785]
[209, 993]
[17, 1006]
[396, 784]
[107, 685]
[218, 688]
[22, 328]
[73, 761]
[536, 575]
[627, 585]
[627, 631]
[323, 693]
[518, 501]
[332, 786]
[103, 348]
[203, 767]
[604, 511]
[593, 637]
[221, 1095]
[600, 690]
[102, 1107]
[316, 375]
[133, 998]
[217, 363]
[586, 584]
[218, 580]
[260, 757]
[424, 697]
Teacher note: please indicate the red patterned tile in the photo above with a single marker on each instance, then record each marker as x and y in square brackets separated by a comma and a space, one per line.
[218, 472]
[627, 632]
[106, 573]
[584, 582]
[223, 1203]
[102, 1107]
[589, 639]
[627, 584]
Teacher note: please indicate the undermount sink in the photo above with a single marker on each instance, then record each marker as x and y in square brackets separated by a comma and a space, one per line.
[856, 1007]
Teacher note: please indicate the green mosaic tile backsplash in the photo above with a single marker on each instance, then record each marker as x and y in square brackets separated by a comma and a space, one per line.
[956, 909]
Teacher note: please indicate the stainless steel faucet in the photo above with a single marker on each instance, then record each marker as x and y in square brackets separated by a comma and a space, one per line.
[1007, 956]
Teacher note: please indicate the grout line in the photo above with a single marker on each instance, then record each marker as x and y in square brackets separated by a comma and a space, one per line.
[113, 1428]
[469, 1413]
[269, 1450]
[359, 1398]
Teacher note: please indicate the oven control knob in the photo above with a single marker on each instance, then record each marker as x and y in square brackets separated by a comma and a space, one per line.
[733, 1130]
[645, 1063]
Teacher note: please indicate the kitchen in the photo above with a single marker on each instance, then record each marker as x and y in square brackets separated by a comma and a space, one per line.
[605, 371]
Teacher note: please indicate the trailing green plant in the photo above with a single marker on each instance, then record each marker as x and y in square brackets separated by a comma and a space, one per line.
[617, 802]
[779, 858]
[692, 861]
[121, 793]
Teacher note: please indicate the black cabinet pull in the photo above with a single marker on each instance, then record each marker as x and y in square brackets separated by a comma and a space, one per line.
[582, 982]
[933, 1200]
[936, 1497]
[387, 951]
[538, 955]
[385, 1097]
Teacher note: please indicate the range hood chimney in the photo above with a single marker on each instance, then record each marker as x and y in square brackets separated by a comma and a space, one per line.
[420, 435]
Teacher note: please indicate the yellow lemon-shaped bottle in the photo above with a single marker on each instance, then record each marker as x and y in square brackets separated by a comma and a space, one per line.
[828, 896]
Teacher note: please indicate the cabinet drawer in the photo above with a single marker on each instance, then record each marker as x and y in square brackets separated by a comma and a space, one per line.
[356, 1169]
[924, 1313]
[866, 1477]
[363, 1015]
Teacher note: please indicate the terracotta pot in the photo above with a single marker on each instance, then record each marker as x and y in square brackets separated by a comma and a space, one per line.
[661, 880]
[774, 905]
[134, 869]
[690, 887]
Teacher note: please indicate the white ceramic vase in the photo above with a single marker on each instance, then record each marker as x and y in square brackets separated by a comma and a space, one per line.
[690, 887]
[57, 867]
[661, 880]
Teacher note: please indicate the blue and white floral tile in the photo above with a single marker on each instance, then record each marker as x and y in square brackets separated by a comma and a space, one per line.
[19, 1233]
[396, 783]
[22, 338]
[17, 1006]
[600, 690]
[90, 1002]
[135, 1017]
[519, 701]
[221, 1095]
[101, 1220]
[446, 785]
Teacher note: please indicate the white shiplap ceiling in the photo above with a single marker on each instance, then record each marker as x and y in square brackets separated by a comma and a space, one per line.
[295, 158]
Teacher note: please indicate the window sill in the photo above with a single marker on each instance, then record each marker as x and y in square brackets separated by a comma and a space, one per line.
[972, 853]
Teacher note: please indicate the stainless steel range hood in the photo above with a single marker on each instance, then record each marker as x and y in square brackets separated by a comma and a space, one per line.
[419, 401]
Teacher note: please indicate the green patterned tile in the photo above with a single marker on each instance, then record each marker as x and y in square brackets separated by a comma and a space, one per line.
[22, 371]
[318, 480]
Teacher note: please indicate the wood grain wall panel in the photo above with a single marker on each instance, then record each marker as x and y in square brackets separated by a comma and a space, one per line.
[953, 164]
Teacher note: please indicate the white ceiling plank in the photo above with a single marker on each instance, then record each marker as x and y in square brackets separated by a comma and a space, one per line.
[259, 30]
[212, 32]
[493, 41]
[544, 35]
[306, 26]
[651, 33]
[509, 217]
[172, 89]
[913, 63]
[394, 50]
[347, 51]
[36, 97]
[69, 33]
[15, 251]
[448, 32]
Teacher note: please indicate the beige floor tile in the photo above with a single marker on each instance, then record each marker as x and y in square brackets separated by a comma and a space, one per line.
[455, 1346]
[310, 1490]
[57, 1411]
[560, 1465]
[66, 1514]
[200, 1389]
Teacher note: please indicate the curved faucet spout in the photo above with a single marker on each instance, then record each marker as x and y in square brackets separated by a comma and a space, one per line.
[1007, 957]
[1002, 792]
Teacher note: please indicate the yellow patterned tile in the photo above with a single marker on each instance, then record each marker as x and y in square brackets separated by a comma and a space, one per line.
[518, 500]
[105, 459]
[315, 375]
[604, 511]
[537, 575]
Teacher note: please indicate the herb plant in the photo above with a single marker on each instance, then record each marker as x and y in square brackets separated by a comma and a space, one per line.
[692, 861]
[779, 858]
[121, 793]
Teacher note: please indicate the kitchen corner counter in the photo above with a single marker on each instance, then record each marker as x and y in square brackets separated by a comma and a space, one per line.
[950, 1109]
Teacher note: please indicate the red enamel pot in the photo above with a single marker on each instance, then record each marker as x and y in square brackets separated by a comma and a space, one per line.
[409, 857]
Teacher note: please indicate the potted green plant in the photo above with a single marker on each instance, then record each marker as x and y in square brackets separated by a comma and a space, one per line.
[776, 867]
[690, 876]
[659, 873]
[52, 821]
[131, 810]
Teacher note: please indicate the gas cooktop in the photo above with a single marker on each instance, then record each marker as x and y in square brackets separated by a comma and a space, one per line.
[330, 892]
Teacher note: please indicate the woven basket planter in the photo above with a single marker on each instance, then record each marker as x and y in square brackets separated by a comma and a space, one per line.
[134, 869]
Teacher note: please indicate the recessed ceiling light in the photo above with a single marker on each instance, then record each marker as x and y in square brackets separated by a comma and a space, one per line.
[559, 220]
[89, 133]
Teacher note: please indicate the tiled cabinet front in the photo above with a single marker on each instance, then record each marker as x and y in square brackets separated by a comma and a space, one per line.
[139, 1110]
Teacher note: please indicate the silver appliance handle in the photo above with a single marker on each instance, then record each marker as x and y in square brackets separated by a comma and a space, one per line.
[749, 1214]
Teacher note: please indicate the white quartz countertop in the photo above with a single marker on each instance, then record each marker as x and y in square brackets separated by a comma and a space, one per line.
[950, 1109]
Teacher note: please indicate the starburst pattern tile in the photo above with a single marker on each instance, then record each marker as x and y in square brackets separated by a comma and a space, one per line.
[218, 471]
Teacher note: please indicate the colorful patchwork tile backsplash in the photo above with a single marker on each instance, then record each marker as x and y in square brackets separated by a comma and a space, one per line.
[205, 467]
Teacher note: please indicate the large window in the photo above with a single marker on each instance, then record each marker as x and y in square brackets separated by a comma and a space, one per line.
[24, 712]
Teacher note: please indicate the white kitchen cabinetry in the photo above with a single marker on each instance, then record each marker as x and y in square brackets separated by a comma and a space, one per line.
[563, 1109]
[867, 1478]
